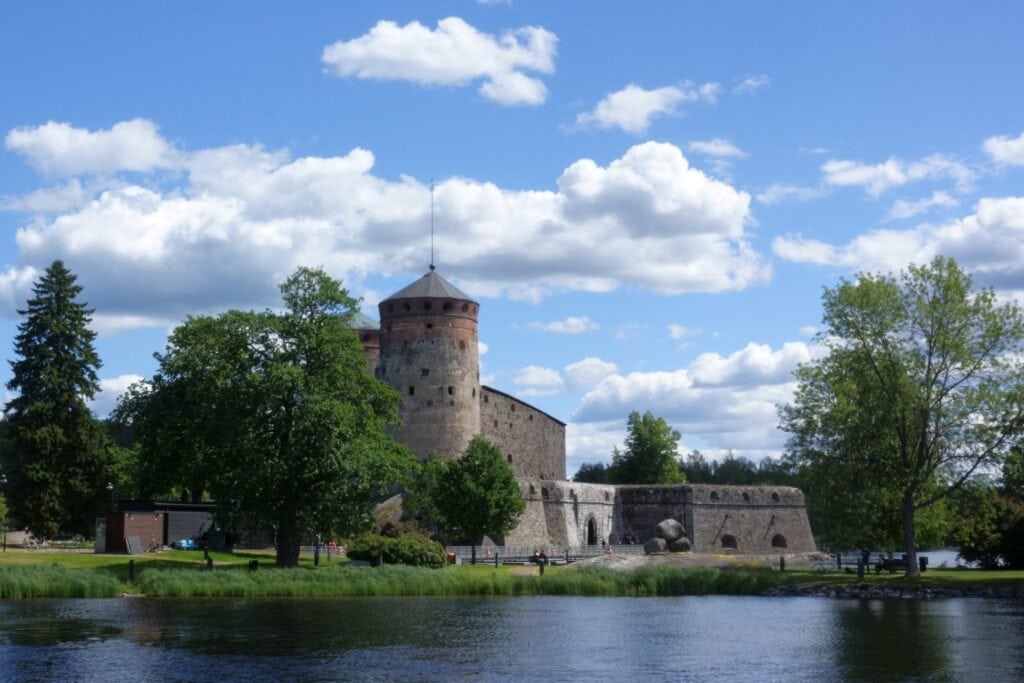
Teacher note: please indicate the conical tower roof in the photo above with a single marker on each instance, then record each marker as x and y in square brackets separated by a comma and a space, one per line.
[361, 321]
[431, 285]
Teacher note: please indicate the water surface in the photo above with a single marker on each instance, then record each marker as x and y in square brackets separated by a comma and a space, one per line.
[554, 638]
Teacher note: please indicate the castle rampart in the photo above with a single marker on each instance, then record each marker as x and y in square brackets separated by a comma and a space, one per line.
[720, 519]
[533, 442]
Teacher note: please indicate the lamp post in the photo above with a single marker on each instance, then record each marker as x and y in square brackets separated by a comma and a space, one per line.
[110, 488]
[3, 483]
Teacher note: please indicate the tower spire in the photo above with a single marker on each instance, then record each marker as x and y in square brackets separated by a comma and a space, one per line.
[432, 224]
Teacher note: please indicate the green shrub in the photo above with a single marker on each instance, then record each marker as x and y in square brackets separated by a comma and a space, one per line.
[410, 549]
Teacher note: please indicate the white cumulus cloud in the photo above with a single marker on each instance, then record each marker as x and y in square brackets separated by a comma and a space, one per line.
[633, 108]
[61, 149]
[237, 220]
[716, 147]
[729, 402]
[752, 84]
[893, 172]
[989, 243]
[1004, 150]
[534, 380]
[111, 389]
[780, 192]
[453, 54]
[574, 324]
[905, 208]
[585, 373]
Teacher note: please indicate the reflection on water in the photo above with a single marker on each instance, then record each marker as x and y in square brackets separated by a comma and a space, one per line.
[552, 638]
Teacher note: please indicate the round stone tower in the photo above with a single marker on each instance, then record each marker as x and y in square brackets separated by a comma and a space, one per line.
[428, 352]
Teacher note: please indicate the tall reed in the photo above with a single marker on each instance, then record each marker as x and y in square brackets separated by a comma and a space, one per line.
[36, 581]
[400, 580]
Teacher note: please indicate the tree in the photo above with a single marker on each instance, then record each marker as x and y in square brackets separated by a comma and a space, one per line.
[274, 416]
[735, 471]
[696, 468]
[650, 455]
[592, 473]
[920, 391]
[477, 495]
[59, 460]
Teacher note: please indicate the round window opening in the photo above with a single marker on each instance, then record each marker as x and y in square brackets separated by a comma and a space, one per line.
[426, 305]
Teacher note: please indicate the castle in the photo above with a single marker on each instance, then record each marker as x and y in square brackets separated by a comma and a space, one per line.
[425, 347]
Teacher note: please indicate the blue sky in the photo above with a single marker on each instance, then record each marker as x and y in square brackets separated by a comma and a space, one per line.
[646, 199]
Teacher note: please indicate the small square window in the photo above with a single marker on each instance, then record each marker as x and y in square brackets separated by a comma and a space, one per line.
[412, 391]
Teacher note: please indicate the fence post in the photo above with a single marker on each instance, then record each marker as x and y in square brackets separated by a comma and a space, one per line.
[131, 570]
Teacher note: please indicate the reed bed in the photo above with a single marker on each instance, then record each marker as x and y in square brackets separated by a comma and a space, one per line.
[400, 581]
[54, 581]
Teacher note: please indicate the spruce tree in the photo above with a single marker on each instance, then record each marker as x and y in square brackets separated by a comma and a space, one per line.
[60, 460]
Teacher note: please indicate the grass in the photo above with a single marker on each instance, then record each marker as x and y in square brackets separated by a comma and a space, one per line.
[27, 574]
[34, 581]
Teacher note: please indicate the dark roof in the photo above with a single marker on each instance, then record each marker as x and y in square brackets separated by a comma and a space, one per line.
[361, 321]
[431, 286]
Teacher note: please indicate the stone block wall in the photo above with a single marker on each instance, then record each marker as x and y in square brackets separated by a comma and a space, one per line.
[740, 519]
[532, 440]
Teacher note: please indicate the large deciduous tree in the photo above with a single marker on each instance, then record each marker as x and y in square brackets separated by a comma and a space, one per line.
[921, 389]
[60, 456]
[477, 495]
[274, 416]
[650, 455]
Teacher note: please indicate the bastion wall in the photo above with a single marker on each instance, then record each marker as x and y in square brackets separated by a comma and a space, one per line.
[532, 441]
[719, 519]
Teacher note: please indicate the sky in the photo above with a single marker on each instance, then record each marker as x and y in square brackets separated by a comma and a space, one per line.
[647, 199]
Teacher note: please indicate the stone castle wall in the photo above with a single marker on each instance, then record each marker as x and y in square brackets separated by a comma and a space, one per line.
[741, 519]
[531, 440]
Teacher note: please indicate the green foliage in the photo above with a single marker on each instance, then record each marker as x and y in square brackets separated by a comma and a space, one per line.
[650, 455]
[477, 495]
[419, 500]
[273, 415]
[1013, 474]
[410, 549]
[990, 528]
[887, 422]
[592, 473]
[18, 582]
[59, 459]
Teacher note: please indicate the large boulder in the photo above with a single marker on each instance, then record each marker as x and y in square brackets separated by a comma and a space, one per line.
[655, 545]
[669, 529]
[680, 545]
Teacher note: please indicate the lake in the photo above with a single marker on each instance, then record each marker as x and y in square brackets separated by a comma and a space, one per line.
[551, 638]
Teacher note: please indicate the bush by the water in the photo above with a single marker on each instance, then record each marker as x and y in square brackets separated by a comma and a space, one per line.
[410, 549]
[36, 581]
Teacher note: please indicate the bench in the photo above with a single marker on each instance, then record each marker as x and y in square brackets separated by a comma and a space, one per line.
[899, 564]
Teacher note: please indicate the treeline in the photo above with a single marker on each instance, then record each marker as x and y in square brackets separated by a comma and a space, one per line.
[696, 468]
